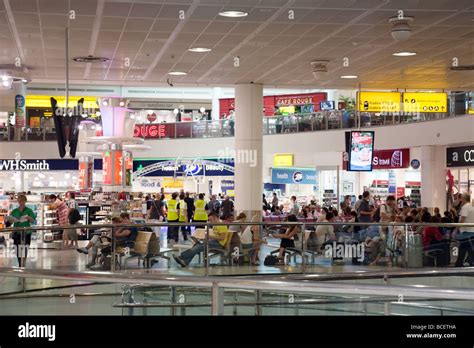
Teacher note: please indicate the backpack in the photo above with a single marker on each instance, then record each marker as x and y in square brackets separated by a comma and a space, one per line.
[270, 260]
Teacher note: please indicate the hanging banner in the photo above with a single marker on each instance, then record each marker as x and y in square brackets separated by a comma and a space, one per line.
[392, 182]
[107, 167]
[19, 111]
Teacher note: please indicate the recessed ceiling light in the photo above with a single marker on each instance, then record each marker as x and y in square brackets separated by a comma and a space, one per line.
[233, 14]
[349, 76]
[199, 50]
[404, 54]
[4, 78]
[177, 73]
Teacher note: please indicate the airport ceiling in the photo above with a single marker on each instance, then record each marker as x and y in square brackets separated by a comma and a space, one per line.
[274, 43]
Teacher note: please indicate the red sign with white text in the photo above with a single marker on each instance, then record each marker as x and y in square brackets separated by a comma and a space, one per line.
[391, 159]
[107, 167]
[118, 167]
[400, 192]
[386, 159]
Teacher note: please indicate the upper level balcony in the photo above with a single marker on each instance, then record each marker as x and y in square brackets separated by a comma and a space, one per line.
[319, 121]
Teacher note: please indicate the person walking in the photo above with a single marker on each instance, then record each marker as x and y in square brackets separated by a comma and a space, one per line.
[24, 217]
[466, 237]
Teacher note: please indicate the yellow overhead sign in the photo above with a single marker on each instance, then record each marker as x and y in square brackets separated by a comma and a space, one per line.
[44, 101]
[283, 160]
[425, 102]
[379, 101]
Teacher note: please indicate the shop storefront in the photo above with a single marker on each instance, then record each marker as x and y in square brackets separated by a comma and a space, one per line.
[43, 175]
[287, 182]
[281, 104]
[460, 162]
[168, 120]
[203, 175]
[393, 173]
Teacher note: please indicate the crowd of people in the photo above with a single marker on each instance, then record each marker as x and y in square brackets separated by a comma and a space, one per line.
[182, 207]
[382, 240]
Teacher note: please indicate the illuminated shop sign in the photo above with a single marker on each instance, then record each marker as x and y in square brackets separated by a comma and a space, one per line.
[461, 156]
[43, 164]
[294, 176]
[183, 167]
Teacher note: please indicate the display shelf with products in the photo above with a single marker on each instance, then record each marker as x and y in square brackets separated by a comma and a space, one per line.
[329, 198]
[379, 188]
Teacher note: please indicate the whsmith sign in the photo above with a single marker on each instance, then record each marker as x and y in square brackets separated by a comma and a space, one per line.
[43, 165]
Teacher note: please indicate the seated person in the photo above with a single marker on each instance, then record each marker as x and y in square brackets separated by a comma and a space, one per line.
[98, 241]
[125, 237]
[287, 238]
[325, 233]
[431, 235]
[219, 239]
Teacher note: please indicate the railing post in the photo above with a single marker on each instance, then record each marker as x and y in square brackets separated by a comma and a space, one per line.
[217, 299]
[303, 248]
[258, 307]
[206, 251]
[406, 246]
[173, 301]
[114, 256]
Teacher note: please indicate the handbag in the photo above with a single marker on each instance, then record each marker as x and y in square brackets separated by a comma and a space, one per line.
[270, 260]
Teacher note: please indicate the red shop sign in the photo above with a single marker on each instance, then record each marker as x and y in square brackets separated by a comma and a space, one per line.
[391, 159]
[149, 131]
[386, 159]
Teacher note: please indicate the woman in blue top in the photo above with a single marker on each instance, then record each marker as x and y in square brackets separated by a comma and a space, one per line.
[24, 216]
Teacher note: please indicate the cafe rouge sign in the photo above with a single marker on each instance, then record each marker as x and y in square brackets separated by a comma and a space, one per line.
[387, 159]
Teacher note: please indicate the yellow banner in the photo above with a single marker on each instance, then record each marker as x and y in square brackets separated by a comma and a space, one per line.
[173, 183]
[283, 160]
[379, 101]
[425, 102]
[44, 101]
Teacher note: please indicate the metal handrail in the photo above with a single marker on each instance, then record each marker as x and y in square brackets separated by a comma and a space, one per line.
[233, 283]
[205, 224]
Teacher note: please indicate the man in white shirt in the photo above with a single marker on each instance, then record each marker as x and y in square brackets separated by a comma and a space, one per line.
[325, 233]
[466, 235]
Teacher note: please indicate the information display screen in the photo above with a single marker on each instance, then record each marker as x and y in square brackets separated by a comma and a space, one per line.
[361, 151]
[328, 105]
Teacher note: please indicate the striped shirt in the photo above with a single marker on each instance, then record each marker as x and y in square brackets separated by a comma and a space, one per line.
[63, 211]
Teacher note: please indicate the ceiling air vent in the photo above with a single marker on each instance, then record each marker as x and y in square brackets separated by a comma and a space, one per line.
[90, 59]
[462, 67]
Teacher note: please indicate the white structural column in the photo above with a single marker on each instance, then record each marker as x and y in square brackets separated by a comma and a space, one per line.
[433, 177]
[248, 148]
[216, 94]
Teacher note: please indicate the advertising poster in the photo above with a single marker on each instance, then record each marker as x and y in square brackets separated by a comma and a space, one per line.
[107, 167]
[361, 152]
[392, 182]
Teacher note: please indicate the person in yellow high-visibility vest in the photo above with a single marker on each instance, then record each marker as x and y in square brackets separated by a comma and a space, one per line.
[173, 235]
[183, 214]
[200, 209]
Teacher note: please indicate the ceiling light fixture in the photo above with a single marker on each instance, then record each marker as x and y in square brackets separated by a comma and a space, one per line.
[401, 30]
[199, 49]
[319, 68]
[233, 14]
[177, 73]
[349, 76]
[5, 83]
[4, 78]
[404, 54]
